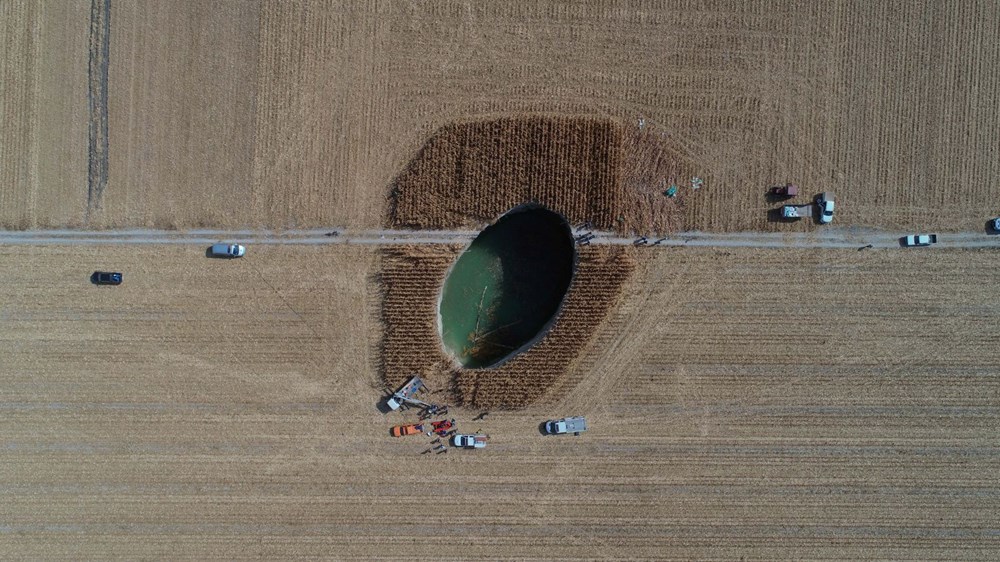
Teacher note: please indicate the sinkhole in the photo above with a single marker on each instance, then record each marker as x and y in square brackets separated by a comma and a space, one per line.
[504, 291]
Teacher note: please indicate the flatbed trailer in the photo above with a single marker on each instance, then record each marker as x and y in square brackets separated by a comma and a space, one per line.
[575, 425]
[797, 211]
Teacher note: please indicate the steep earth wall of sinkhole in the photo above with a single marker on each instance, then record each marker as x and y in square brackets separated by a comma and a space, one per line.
[506, 287]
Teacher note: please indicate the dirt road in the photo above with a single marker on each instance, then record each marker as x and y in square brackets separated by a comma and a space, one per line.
[829, 238]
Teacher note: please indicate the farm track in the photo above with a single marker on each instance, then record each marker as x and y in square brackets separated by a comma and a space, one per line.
[828, 238]
[97, 95]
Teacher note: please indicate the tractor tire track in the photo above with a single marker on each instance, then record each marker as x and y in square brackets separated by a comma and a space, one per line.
[100, 35]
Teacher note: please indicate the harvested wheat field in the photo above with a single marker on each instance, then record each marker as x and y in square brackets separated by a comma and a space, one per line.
[279, 114]
[743, 403]
[202, 411]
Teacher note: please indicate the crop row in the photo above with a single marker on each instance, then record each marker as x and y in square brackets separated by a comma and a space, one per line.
[470, 173]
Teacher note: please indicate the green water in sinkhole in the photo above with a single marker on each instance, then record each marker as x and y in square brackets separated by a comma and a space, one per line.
[506, 288]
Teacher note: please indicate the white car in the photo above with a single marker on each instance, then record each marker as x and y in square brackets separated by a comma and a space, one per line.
[228, 250]
[919, 240]
[825, 202]
[996, 224]
[469, 441]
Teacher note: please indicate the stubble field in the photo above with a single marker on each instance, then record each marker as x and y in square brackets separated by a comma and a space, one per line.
[202, 411]
[743, 403]
[286, 114]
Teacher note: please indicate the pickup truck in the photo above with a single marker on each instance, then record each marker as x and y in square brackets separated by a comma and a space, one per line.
[575, 425]
[919, 240]
[469, 441]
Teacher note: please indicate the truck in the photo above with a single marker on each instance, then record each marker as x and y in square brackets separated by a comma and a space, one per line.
[406, 395]
[919, 240]
[575, 425]
[796, 211]
[468, 441]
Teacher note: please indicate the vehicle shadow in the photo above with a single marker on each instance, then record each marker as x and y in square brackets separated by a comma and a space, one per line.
[772, 197]
[541, 429]
[988, 227]
[383, 406]
[774, 215]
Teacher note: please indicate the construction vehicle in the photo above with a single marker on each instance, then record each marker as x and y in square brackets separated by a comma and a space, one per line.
[787, 190]
[469, 441]
[919, 240]
[575, 425]
[405, 396]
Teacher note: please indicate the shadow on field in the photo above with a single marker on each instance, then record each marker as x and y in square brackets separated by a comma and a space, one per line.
[988, 227]
[774, 215]
[383, 406]
[541, 428]
[772, 197]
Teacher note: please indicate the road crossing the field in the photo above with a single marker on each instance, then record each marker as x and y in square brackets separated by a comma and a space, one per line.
[825, 238]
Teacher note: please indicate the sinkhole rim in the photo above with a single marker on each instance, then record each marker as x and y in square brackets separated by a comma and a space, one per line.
[543, 330]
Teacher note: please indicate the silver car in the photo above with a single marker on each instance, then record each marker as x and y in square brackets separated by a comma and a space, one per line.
[227, 250]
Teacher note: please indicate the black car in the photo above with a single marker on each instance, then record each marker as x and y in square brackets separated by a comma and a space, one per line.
[106, 278]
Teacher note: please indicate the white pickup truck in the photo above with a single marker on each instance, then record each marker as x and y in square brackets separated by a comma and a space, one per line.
[919, 240]
[575, 425]
[469, 441]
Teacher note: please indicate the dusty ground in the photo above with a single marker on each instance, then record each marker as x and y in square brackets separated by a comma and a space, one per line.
[286, 114]
[211, 409]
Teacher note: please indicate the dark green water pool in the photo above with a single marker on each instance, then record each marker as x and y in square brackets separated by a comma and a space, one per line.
[506, 287]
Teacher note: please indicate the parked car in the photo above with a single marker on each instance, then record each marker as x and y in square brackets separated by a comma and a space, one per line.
[106, 278]
[408, 429]
[919, 240]
[825, 202]
[227, 250]
[996, 224]
[469, 441]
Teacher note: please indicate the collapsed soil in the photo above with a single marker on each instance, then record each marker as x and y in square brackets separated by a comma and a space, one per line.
[411, 279]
